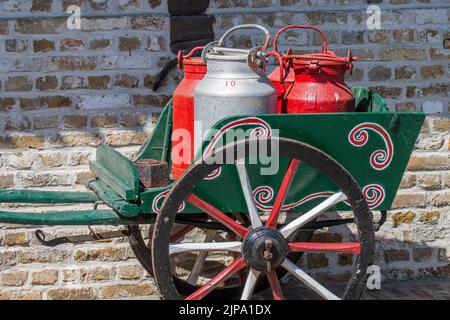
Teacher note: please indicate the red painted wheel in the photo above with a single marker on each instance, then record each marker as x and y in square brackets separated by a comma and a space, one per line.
[191, 270]
[263, 247]
[188, 269]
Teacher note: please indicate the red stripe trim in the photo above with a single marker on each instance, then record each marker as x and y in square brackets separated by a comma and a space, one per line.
[272, 221]
[275, 285]
[218, 279]
[215, 214]
[352, 247]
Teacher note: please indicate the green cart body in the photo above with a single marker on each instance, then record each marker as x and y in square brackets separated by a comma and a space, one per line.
[374, 146]
[343, 161]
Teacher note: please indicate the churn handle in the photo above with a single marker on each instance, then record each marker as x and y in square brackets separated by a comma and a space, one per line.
[247, 26]
[324, 39]
[280, 62]
[180, 56]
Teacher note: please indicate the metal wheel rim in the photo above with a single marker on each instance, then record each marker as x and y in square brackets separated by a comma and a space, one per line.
[305, 153]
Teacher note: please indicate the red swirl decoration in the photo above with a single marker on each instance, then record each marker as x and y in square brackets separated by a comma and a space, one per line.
[373, 193]
[264, 194]
[263, 129]
[159, 199]
[359, 136]
[214, 174]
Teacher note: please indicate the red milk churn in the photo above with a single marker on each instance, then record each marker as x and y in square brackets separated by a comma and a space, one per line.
[318, 84]
[281, 77]
[183, 111]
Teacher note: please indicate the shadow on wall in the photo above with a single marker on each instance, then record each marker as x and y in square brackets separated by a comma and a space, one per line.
[399, 253]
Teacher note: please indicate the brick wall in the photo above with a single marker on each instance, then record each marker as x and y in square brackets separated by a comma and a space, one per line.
[407, 62]
[63, 92]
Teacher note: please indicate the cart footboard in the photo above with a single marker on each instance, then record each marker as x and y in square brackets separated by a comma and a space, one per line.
[69, 217]
[49, 197]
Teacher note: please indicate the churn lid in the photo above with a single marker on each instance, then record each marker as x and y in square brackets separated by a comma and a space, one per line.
[254, 56]
[189, 59]
[323, 58]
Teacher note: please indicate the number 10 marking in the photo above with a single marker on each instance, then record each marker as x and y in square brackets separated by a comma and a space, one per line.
[230, 83]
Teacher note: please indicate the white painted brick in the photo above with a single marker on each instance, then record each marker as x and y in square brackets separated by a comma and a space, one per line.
[431, 16]
[103, 101]
[134, 61]
[103, 24]
[433, 107]
[16, 5]
[6, 64]
[116, 101]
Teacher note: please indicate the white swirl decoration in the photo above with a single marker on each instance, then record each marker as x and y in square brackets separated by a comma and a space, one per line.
[262, 130]
[214, 174]
[262, 196]
[380, 159]
[374, 194]
[159, 199]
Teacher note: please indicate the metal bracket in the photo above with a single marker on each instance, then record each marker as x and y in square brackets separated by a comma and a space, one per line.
[377, 225]
[41, 236]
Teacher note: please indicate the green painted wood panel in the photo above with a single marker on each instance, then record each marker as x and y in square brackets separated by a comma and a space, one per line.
[81, 217]
[37, 196]
[391, 134]
[158, 144]
[116, 171]
[113, 200]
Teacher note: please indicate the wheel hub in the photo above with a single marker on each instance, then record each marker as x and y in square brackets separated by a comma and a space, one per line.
[264, 249]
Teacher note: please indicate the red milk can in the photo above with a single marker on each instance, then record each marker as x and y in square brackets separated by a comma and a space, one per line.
[281, 78]
[318, 84]
[183, 111]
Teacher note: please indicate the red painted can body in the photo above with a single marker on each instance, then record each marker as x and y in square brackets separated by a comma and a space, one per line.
[280, 83]
[312, 83]
[318, 88]
[183, 112]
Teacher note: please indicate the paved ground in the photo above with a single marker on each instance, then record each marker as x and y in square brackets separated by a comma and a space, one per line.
[436, 289]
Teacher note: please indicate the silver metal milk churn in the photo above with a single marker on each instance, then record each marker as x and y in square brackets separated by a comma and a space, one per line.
[235, 84]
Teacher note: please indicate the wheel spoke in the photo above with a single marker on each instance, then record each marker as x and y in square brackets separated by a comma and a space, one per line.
[218, 279]
[307, 280]
[282, 193]
[248, 194]
[200, 260]
[180, 233]
[218, 216]
[313, 213]
[234, 246]
[351, 247]
[275, 285]
[250, 284]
